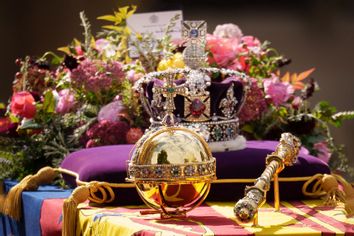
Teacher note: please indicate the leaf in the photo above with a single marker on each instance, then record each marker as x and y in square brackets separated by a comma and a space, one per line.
[56, 60]
[66, 50]
[77, 42]
[248, 128]
[29, 124]
[49, 102]
[132, 11]
[2, 105]
[124, 10]
[107, 18]
[305, 74]
[14, 118]
[115, 28]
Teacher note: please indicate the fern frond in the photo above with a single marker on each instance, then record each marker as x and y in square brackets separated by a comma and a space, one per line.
[344, 115]
[7, 155]
[87, 31]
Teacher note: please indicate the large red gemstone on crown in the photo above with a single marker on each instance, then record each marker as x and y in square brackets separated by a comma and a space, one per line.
[197, 107]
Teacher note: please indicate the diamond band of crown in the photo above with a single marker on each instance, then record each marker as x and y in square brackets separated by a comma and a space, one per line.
[211, 131]
[191, 95]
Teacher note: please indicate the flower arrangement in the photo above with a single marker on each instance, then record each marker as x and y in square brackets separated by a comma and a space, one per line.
[84, 97]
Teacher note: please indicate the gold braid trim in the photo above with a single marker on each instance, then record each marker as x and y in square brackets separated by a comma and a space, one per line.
[11, 205]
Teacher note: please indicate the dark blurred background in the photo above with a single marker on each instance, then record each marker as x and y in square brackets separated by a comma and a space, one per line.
[313, 33]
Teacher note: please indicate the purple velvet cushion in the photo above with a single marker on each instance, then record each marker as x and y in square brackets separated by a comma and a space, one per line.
[109, 163]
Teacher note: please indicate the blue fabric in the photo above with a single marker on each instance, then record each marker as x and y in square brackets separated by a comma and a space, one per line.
[31, 208]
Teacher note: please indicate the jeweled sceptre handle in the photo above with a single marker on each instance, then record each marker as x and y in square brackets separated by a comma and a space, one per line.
[285, 154]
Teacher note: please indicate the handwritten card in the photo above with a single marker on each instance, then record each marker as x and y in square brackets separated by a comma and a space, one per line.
[154, 23]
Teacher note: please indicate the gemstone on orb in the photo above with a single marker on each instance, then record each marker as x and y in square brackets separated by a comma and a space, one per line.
[175, 171]
[159, 172]
[202, 169]
[145, 172]
[197, 107]
[194, 33]
[189, 170]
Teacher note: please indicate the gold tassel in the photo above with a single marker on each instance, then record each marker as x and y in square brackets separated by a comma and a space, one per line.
[348, 195]
[2, 197]
[13, 203]
[79, 195]
[328, 186]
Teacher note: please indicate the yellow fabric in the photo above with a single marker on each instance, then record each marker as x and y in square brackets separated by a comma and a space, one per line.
[294, 218]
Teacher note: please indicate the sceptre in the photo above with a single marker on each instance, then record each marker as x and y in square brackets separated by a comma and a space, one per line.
[285, 154]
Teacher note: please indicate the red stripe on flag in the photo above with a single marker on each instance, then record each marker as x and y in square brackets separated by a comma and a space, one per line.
[306, 221]
[50, 220]
[345, 227]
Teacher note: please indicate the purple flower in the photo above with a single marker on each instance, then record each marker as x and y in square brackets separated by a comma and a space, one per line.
[107, 133]
[95, 75]
[66, 101]
[279, 92]
[323, 152]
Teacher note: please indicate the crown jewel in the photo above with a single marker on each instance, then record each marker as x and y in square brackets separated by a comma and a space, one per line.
[196, 101]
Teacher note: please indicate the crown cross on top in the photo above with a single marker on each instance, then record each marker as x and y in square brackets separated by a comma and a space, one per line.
[194, 32]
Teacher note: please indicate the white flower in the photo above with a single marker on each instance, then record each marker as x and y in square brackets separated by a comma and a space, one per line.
[228, 31]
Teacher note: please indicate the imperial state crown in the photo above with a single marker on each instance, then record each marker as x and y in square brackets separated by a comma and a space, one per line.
[207, 106]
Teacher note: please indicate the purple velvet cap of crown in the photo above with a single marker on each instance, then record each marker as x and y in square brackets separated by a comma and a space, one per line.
[108, 163]
[217, 91]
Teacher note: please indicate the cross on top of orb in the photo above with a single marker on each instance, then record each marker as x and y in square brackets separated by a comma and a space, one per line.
[169, 91]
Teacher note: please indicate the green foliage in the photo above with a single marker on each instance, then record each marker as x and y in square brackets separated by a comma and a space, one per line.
[49, 102]
[119, 32]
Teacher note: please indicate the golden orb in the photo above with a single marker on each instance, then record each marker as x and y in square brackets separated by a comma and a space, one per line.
[172, 169]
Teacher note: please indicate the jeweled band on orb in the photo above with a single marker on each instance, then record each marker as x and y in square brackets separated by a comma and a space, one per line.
[173, 172]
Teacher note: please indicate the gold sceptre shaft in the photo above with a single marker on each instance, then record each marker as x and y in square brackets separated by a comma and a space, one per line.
[285, 154]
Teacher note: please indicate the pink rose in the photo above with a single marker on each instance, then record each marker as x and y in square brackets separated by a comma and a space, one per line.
[278, 92]
[23, 104]
[228, 31]
[323, 152]
[66, 101]
[223, 50]
[250, 43]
